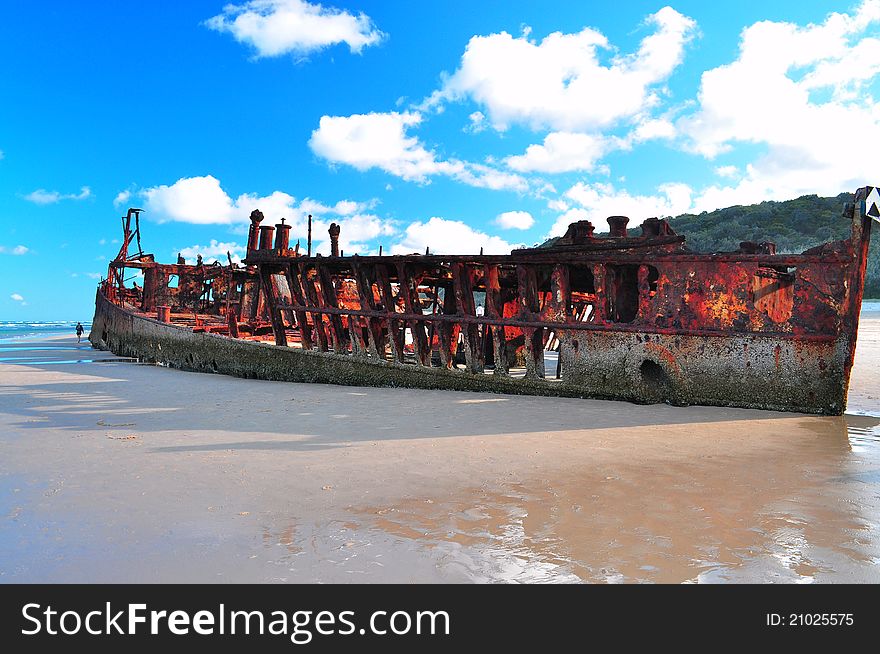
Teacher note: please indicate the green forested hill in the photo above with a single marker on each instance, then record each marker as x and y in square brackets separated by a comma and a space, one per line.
[794, 225]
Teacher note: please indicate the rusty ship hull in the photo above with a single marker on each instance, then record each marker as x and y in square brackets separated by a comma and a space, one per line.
[628, 317]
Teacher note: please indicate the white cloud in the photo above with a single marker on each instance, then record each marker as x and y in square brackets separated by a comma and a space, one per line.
[1, 155]
[727, 171]
[598, 201]
[477, 122]
[515, 220]
[42, 196]
[198, 200]
[346, 207]
[377, 140]
[18, 250]
[380, 140]
[487, 177]
[448, 237]
[202, 200]
[121, 198]
[560, 83]
[94, 275]
[653, 128]
[801, 92]
[15, 297]
[804, 94]
[277, 27]
[213, 251]
[563, 152]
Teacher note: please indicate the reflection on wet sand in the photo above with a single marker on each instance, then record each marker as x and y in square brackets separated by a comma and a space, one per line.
[803, 510]
[109, 474]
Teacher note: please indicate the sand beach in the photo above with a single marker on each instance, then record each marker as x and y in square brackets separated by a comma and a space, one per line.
[115, 471]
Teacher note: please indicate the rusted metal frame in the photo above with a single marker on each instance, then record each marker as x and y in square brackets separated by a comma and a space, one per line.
[296, 291]
[583, 326]
[268, 289]
[363, 276]
[447, 329]
[493, 310]
[462, 281]
[313, 306]
[284, 292]
[355, 328]
[359, 347]
[155, 280]
[581, 256]
[527, 290]
[600, 308]
[556, 310]
[645, 302]
[611, 244]
[410, 294]
[328, 297]
[861, 240]
[251, 299]
[432, 328]
[395, 330]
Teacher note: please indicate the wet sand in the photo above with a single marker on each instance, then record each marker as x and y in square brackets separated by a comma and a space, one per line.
[113, 471]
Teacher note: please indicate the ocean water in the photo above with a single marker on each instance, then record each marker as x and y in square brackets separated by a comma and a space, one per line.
[15, 330]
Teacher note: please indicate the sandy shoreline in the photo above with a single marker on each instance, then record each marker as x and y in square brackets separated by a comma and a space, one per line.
[122, 472]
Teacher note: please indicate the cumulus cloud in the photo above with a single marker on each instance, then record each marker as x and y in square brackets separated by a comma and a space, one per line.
[563, 152]
[215, 250]
[121, 198]
[595, 202]
[377, 140]
[727, 171]
[477, 122]
[515, 220]
[277, 27]
[198, 200]
[17, 250]
[42, 196]
[560, 83]
[202, 201]
[448, 237]
[651, 129]
[16, 297]
[802, 92]
[381, 140]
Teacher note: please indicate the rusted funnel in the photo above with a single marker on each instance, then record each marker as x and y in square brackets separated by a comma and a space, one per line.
[334, 239]
[618, 226]
[266, 232]
[253, 234]
[282, 236]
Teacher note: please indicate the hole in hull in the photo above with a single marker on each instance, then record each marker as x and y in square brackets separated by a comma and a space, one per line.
[655, 381]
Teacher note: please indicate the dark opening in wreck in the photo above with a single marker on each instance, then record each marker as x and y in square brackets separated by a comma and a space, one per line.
[634, 317]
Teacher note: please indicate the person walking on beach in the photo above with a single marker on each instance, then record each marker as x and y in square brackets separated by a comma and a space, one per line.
[79, 331]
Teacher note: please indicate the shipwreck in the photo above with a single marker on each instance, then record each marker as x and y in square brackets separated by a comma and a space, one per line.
[624, 316]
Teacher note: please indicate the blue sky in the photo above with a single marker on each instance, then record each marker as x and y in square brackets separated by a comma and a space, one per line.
[457, 125]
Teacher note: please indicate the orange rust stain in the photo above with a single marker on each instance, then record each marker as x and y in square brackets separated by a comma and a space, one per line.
[664, 354]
